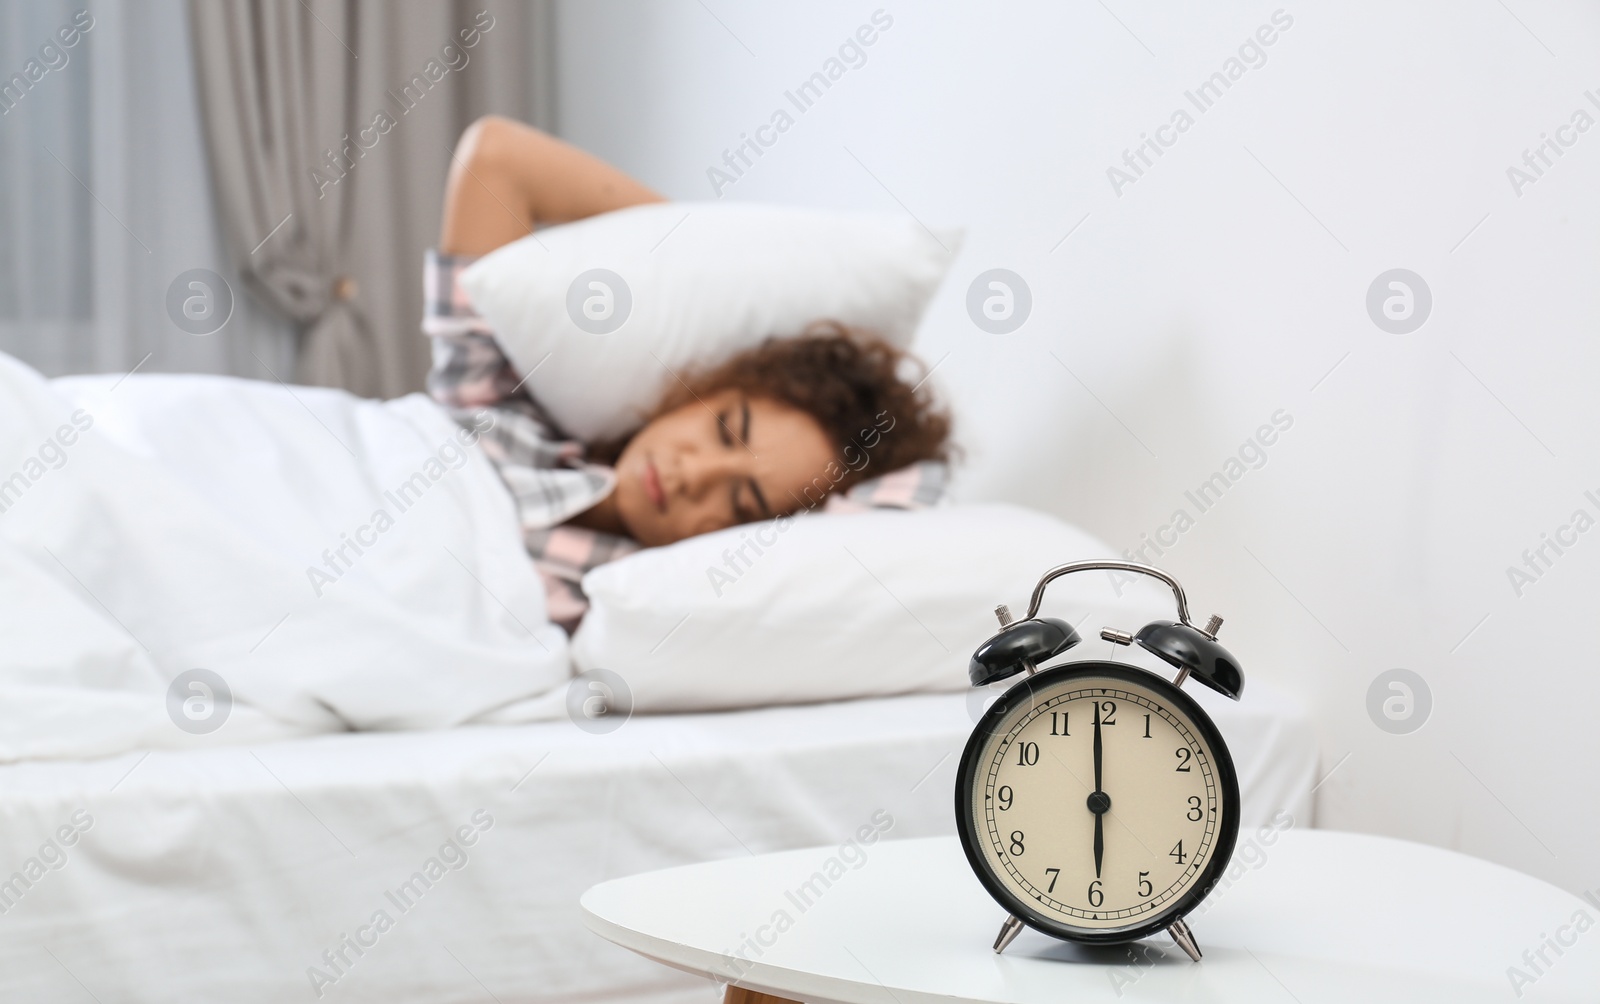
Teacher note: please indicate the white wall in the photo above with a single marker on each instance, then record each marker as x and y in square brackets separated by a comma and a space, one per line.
[1207, 296]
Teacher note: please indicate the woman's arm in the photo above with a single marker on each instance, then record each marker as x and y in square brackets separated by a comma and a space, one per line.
[506, 177]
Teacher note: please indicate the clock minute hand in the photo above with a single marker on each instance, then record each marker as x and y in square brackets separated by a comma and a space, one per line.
[1097, 746]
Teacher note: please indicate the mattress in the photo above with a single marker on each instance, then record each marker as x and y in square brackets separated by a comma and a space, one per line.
[446, 866]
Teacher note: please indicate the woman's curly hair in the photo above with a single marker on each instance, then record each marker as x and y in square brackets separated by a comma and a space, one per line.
[852, 383]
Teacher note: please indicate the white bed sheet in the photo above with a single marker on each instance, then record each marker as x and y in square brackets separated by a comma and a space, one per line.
[224, 874]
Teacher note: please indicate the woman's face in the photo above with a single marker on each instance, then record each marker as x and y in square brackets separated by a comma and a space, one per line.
[724, 459]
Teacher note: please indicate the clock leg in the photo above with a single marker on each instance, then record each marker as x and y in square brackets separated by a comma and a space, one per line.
[737, 995]
[1185, 938]
[1008, 933]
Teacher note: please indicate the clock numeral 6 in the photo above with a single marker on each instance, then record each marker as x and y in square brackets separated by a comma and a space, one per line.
[1145, 888]
[1194, 812]
[1184, 755]
[1004, 795]
[1017, 847]
[1096, 897]
[1027, 754]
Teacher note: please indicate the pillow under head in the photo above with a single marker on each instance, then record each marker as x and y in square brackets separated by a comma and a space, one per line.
[832, 607]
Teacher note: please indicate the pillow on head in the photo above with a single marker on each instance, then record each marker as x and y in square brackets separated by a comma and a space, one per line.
[820, 608]
[603, 312]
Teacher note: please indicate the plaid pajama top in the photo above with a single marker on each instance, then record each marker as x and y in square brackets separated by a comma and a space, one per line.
[547, 472]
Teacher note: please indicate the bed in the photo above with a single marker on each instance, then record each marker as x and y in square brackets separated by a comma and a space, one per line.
[353, 825]
[228, 873]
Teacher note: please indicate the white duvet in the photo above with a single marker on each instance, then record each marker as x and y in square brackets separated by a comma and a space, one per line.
[340, 563]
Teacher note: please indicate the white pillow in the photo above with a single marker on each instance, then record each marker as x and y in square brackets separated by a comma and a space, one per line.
[839, 606]
[603, 312]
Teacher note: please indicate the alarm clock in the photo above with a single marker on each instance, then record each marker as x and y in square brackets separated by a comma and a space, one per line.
[1096, 801]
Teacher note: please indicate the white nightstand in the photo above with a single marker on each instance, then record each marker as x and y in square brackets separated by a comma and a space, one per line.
[1315, 917]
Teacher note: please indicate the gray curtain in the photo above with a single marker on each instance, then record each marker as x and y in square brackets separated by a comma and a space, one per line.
[105, 199]
[329, 126]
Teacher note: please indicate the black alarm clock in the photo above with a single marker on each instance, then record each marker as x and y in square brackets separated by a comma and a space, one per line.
[1096, 801]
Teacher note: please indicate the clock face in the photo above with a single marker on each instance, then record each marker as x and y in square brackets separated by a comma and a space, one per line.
[1097, 802]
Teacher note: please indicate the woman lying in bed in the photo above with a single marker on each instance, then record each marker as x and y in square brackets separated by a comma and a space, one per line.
[757, 437]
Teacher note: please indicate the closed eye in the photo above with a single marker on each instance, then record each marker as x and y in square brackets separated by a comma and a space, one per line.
[738, 504]
[742, 512]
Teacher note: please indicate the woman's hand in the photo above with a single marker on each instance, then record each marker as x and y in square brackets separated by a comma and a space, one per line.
[506, 178]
